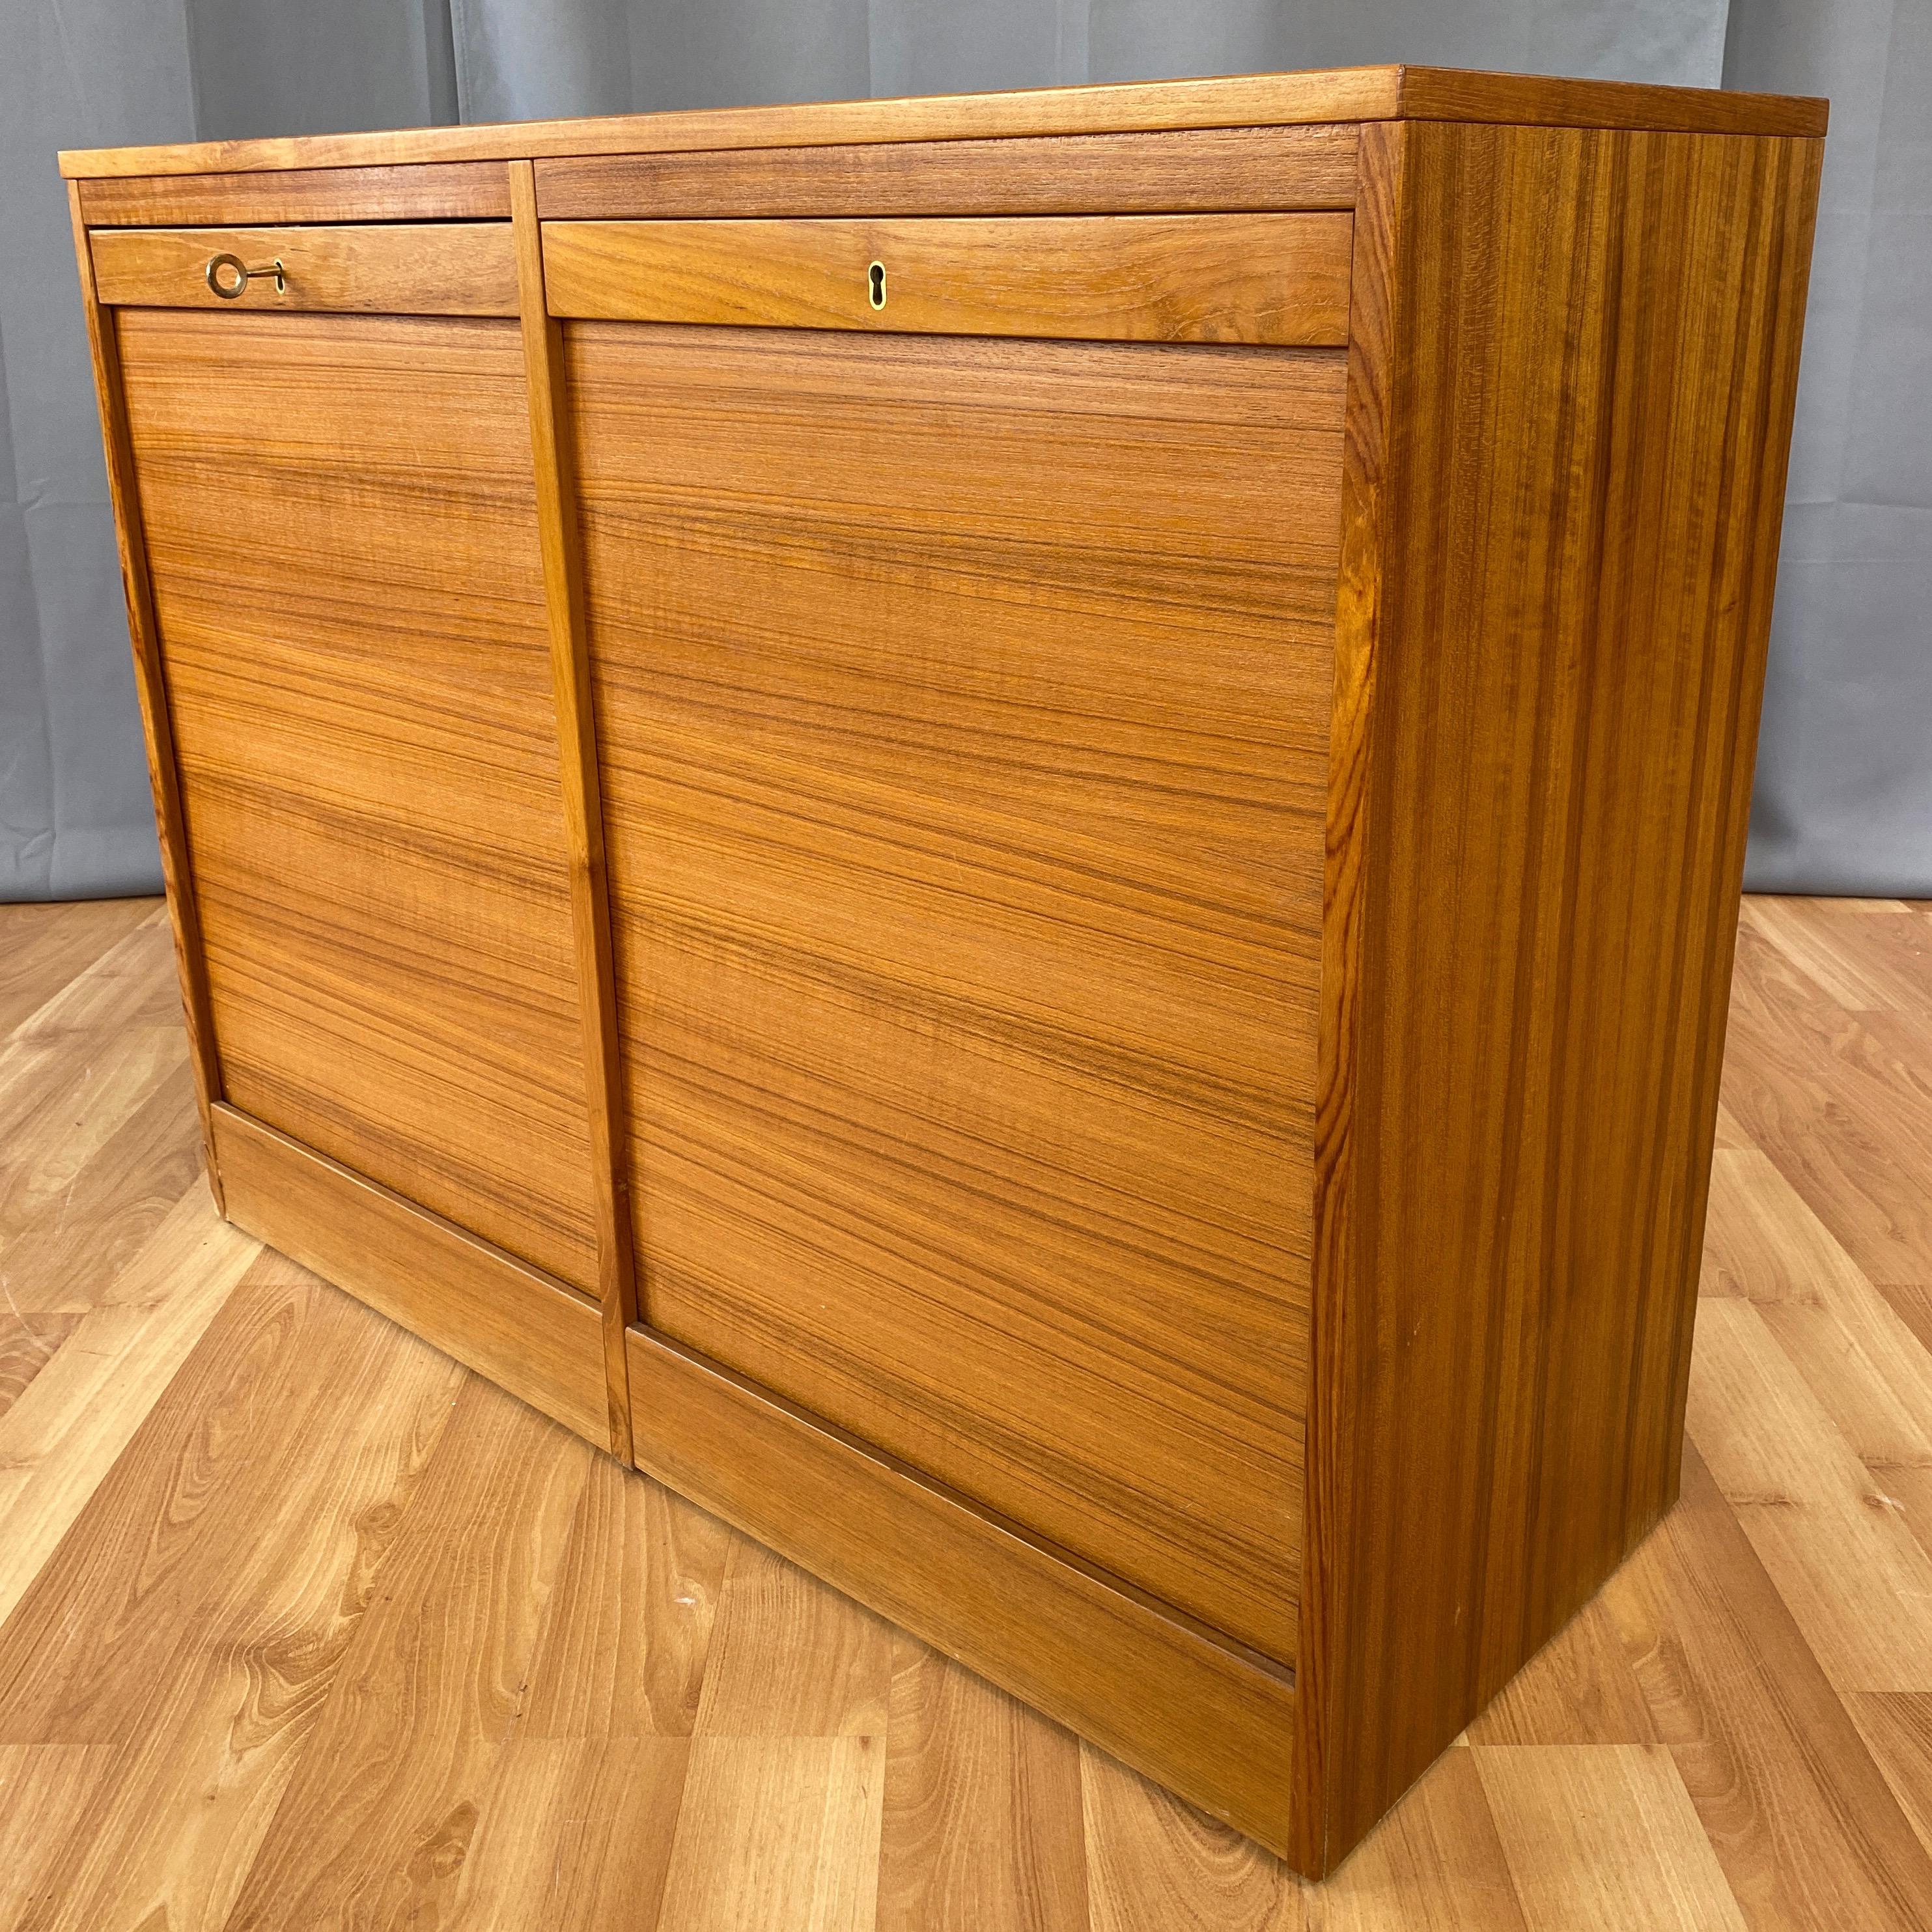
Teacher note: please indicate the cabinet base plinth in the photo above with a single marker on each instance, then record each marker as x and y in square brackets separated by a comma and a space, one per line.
[1205, 1719]
[512, 1322]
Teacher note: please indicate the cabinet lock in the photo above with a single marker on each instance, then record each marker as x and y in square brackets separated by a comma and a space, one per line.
[233, 266]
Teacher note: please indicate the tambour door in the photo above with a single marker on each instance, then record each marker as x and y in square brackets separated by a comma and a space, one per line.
[963, 706]
[339, 517]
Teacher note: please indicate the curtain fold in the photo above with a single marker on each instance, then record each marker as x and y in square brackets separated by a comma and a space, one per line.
[1844, 795]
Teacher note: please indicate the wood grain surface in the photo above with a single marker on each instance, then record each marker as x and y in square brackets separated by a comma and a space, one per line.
[964, 814]
[267, 1555]
[342, 528]
[130, 1328]
[94, 1162]
[1465, 95]
[981, 1818]
[428, 191]
[232, 1500]
[1338, 95]
[304, 1426]
[532, 1334]
[1280, 279]
[151, 687]
[443, 1647]
[1158, 1690]
[1201, 170]
[1149, 1061]
[1551, 667]
[556, 480]
[455, 268]
[57, 945]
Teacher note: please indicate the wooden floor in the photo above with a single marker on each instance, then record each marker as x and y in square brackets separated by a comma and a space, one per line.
[304, 1627]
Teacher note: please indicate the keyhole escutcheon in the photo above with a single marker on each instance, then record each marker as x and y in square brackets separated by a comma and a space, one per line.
[875, 277]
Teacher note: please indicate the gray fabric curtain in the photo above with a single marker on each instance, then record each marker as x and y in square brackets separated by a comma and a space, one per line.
[1844, 799]
[1843, 802]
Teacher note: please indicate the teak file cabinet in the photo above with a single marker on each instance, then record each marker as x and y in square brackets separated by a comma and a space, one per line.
[1006, 831]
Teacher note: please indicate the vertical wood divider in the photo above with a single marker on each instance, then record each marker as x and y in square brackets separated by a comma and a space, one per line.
[150, 685]
[1373, 291]
[583, 803]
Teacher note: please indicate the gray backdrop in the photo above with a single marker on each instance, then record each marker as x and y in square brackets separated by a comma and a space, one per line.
[1844, 798]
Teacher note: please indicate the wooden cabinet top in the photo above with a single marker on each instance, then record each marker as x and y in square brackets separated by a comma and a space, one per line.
[1338, 96]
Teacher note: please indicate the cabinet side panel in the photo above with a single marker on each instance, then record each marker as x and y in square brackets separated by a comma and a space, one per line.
[1573, 534]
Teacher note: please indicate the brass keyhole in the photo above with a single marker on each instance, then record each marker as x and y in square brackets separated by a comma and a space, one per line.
[876, 274]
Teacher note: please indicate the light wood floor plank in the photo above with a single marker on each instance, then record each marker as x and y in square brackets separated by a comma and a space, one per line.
[62, 1111]
[1908, 1491]
[264, 1485]
[1843, 1557]
[121, 995]
[27, 1345]
[68, 1251]
[44, 1791]
[1905, 1041]
[574, 1834]
[777, 1833]
[42, 947]
[223, 1565]
[1879, 963]
[1605, 1834]
[1806, 1831]
[376, 1824]
[95, 1146]
[982, 1822]
[1436, 1861]
[1154, 1864]
[1898, 1728]
[1579, 1688]
[791, 1657]
[62, 1436]
[1846, 1117]
[625, 1645]
[1872, 1374]
[1912, 1302]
